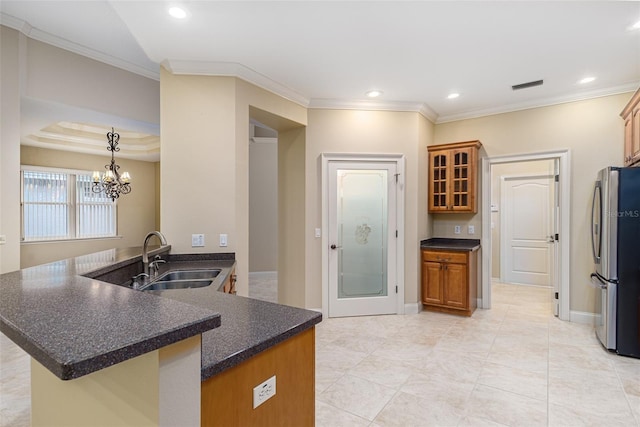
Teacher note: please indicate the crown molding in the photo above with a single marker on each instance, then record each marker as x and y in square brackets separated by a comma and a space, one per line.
[232, 69]
[42, 36]
[339, 104]
[546, 102]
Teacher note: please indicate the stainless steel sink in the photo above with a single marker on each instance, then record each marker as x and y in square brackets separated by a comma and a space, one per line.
[177, 284]
[189, 275]
[183, 279]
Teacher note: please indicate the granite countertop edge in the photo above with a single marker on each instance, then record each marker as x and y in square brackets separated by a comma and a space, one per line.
[464, 245]
[236, 358]
[48, 311]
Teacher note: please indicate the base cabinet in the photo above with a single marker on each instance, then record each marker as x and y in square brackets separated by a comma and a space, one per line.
[227, 398]
[229, 286]
[449, 281]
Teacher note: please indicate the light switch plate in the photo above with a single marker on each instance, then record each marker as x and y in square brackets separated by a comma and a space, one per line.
[197, 240]
[223, 240]
[318, 232]
[3, 239]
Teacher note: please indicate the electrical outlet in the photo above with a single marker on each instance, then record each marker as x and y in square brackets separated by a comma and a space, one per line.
[197, 240]
[471, 229]
[264, 392]
[223, 240]
[456, 229]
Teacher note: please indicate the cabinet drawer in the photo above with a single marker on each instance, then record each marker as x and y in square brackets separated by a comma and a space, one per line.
[441, 256]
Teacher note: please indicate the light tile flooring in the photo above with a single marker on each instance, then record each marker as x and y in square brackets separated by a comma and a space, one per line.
[513, 365]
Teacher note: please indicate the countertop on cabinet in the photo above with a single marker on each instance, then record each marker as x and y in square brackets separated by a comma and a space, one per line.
[113, 323]
[74, 325]
[249, 326]
[465, 245]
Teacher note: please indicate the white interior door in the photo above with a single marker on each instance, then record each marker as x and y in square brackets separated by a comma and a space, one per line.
[527, 230]
[362, 238]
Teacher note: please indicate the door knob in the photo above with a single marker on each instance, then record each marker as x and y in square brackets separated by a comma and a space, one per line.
[335, 247]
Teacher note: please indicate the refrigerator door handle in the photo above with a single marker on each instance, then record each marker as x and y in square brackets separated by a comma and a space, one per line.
[598, 282]
[596, 232]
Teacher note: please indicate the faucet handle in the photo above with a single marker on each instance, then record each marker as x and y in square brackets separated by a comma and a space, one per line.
[136, 282]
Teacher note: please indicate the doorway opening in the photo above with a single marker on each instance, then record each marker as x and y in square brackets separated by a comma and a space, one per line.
[525, 232]
[263, 212]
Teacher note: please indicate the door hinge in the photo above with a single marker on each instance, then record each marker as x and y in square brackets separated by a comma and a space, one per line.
[557, 237]
[557, 178]
[556, 295]
[396, 234]
[396, 289]
[396, 175]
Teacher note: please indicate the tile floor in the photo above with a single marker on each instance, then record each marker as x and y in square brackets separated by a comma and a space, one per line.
[513, 365]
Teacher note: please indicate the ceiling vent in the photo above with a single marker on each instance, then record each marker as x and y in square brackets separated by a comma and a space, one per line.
[527, 85]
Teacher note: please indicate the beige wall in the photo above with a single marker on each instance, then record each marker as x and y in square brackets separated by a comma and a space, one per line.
[263, 206]
[42, 72]
[57, 75]
[10, 81]
[205, 129]
[592, 130]
[136, 211]
[348, 131]
[541, 167]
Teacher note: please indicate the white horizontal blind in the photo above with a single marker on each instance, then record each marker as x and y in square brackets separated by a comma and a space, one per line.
[60, 205]
[96, 213]
[46, 206]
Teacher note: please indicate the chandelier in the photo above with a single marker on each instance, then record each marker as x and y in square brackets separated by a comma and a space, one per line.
[111, 182]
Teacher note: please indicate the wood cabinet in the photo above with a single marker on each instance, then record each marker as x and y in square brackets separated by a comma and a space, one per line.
[227, 398]
[631, 117]
[449, 281]
[229, 286]
[453, 176]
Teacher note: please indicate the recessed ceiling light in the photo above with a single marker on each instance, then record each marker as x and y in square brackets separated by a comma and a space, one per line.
[453, 95]
[374, 93]
[586, 80]
[177, 12]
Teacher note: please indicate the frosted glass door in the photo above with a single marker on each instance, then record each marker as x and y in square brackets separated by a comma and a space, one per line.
[362, 233]
[360, 238]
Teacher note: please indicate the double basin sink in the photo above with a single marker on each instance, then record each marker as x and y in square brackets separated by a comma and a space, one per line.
[182, 279]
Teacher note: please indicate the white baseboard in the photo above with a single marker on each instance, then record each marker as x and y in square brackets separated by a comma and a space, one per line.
[412, 308]
[583, 317]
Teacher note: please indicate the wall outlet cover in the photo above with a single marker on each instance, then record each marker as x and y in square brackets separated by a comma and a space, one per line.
[263, 392]
[471, 229]
[456, 229]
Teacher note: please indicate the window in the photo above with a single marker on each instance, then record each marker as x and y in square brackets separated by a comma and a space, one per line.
[59, 204]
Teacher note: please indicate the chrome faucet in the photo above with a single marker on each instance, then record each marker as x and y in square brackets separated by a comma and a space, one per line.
[145, 250]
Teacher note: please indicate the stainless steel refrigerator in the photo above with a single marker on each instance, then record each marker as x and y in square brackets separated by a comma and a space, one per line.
[615, 240]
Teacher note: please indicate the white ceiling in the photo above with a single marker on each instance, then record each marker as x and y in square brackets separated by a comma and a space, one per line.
[329, 53]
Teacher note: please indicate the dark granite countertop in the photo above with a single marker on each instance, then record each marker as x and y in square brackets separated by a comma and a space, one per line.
[246, 326]
[450, 244]
[75, 325]
[249, 326]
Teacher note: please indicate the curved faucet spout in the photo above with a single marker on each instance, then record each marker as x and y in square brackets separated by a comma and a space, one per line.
[145, 246]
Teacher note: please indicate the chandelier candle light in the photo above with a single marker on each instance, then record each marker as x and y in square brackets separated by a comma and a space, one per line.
[111, 182]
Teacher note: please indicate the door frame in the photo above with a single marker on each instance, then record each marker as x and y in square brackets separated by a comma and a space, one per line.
[399, 160]
[564, 242]
[503, 222]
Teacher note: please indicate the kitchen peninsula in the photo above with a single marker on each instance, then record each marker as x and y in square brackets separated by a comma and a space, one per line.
[103, 352]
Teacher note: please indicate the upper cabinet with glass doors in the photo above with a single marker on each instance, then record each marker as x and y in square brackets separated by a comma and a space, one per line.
[631, 117]
[452, 177]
